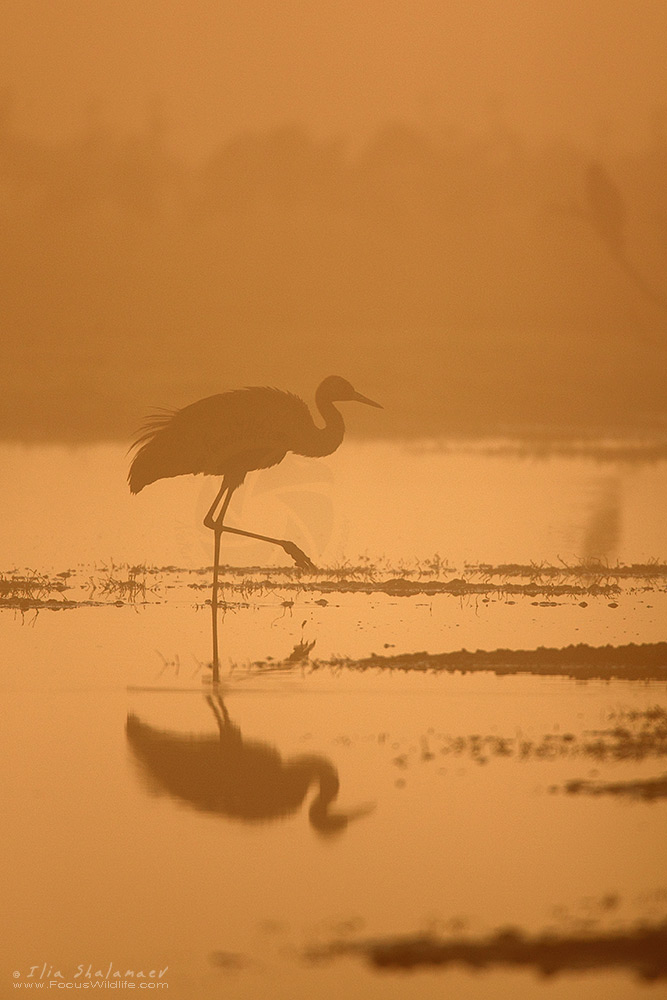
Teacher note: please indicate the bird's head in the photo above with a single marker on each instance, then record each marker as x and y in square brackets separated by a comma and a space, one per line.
[338, 390]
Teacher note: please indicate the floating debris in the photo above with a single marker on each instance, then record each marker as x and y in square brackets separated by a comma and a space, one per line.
[229, 961]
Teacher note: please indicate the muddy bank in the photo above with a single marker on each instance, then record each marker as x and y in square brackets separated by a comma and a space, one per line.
[645, 661]
[646, 791]
[642, 950]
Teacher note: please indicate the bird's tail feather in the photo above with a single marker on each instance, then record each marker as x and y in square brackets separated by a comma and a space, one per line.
[140, 473]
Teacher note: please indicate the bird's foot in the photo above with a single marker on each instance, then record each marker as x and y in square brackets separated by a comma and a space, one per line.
[299, 557]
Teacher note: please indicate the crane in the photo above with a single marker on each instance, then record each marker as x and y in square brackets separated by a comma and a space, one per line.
[231, 434]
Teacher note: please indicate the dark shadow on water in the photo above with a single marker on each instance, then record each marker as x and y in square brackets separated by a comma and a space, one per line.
[227, 775]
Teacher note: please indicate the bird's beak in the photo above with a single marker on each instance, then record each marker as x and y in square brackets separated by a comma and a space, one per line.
[358, 398]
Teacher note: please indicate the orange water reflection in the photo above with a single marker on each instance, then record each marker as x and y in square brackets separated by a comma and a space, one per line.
[474, 827]
[63, 506]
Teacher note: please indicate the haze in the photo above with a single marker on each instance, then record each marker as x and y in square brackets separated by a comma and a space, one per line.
[339, 68]
[204, 195]
[250, 751]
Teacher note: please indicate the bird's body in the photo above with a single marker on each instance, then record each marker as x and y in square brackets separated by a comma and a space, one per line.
[230, 434]
[234, 433]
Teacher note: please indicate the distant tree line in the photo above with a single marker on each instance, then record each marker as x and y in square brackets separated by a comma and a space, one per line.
[118, 258]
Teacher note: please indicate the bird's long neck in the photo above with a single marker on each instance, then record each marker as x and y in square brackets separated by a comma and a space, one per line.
[326, 775]
[325, 440]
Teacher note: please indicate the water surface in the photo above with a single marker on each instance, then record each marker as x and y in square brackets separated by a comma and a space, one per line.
[254, 846]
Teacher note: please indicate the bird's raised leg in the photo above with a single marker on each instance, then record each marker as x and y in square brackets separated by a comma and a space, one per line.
[215, 523]
[299, 557]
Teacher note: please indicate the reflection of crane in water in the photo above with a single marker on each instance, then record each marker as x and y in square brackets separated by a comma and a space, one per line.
[606, 214]
[232, 434]
[241, 779]
[602, 531]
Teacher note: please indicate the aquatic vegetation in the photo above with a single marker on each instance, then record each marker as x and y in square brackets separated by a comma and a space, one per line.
[117, 584]
[30, 590]
[123, 582]
[643, 739]
[587, 569]
[548, 586]
[30, 585]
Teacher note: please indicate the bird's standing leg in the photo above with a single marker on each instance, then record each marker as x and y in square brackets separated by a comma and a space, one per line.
[214, 607]
[210, 521]
[216, 525]
[220, 711]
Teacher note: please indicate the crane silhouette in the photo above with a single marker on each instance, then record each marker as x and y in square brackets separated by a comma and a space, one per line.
[604, 212]
[606, 209]
[245, 780]
[231, 434]
[607, 216]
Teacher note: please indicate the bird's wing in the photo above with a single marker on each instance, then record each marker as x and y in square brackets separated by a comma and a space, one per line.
[224, 435]
[153, 423]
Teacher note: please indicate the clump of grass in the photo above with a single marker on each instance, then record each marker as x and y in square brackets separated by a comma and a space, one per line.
[125, 583]
[591, 570]
[30, 586]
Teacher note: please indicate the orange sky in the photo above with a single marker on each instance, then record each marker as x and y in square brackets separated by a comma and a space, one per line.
[339, 66]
